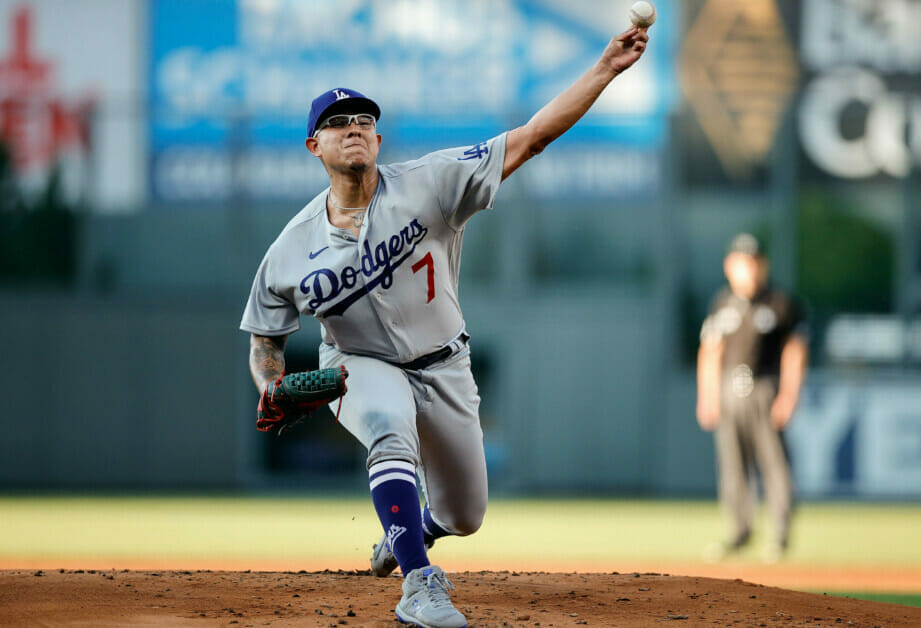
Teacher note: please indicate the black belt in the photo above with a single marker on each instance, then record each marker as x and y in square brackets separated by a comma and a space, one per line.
[427, 360]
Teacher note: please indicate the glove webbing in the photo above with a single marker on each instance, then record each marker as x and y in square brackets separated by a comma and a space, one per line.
[278, 384]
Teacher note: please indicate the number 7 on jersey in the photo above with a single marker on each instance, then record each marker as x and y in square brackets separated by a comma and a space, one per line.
[430, 263]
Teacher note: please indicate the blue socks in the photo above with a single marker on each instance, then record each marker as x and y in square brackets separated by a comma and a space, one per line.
[393, 491]
[430, 529]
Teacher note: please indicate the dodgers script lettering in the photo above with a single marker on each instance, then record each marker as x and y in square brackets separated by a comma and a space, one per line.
[377, 264]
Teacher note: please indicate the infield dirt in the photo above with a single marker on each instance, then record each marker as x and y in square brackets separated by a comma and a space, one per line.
[356, 598]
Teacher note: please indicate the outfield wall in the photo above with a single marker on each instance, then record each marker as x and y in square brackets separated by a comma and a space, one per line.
[112, 393]
[106, 393]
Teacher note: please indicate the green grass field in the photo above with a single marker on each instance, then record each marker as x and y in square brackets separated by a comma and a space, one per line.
[338, 533]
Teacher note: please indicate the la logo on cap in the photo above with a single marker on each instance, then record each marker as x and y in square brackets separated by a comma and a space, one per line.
[340, 94]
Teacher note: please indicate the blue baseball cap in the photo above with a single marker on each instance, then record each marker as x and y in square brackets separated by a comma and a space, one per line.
[339, 100]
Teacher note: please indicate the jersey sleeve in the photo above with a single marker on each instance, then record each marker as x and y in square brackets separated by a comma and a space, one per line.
[267, 312]
[711, 330]
[467, 179]
[797, 320]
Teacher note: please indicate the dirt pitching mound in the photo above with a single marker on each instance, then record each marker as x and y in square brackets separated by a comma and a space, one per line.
[356, 598]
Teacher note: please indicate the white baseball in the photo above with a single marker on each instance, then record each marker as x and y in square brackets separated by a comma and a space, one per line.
[642, 14]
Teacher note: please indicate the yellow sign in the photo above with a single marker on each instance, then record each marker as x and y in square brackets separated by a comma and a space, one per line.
[738, 72]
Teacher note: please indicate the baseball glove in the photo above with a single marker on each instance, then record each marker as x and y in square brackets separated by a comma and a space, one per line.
[294, 397]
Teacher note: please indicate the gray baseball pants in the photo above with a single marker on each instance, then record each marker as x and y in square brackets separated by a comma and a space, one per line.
[748, 445]
[428, 417]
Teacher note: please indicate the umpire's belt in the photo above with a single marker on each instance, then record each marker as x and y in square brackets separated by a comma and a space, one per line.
[427, 360]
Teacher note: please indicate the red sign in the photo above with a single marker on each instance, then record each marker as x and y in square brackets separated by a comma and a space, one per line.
[35, 122]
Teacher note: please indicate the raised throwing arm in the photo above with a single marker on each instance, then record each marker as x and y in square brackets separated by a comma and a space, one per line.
[557, 116]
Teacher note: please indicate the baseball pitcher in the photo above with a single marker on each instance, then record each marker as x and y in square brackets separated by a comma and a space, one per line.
[375, 259]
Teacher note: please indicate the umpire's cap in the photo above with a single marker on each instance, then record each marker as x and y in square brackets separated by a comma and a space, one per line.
[745, 243]
[339, 100]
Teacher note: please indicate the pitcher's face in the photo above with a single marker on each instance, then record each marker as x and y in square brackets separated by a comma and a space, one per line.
[347, 147]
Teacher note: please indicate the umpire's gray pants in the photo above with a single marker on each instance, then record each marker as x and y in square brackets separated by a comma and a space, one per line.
[746, 440]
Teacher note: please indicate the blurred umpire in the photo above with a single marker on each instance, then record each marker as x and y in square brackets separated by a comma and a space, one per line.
[750, 369]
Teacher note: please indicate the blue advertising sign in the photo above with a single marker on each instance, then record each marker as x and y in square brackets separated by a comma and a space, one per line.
[232, 80]
[858, 436]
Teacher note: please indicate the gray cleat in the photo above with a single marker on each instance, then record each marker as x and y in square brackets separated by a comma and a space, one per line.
[425, 600]
[383, 562]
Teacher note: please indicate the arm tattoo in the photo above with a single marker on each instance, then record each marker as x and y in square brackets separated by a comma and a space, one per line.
[266, 358]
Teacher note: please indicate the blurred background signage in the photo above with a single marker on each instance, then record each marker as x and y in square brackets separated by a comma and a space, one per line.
[860, 114]
[873, 338]
[63, 97]
[40, 125]
[739, 73]
[858, 438]
[231, 83]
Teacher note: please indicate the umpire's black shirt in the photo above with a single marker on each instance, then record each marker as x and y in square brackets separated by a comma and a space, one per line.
[753, 332]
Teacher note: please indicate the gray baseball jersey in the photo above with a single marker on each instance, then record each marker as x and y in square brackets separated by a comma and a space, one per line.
[391, 293]
[386, 298]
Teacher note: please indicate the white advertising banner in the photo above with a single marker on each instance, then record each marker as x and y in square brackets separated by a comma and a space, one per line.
[70, 94]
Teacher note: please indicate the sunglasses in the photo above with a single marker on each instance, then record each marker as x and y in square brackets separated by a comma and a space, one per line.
[363, 120]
